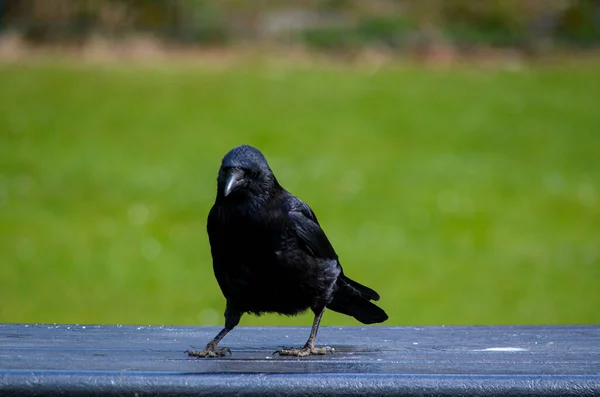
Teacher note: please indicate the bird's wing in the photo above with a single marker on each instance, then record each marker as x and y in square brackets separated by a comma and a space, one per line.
[308, 231]
[316, 242]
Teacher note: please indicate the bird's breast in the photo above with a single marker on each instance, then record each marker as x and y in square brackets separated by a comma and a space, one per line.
[262, 267]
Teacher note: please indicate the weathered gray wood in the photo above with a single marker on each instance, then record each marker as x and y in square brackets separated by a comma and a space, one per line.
[92, 359]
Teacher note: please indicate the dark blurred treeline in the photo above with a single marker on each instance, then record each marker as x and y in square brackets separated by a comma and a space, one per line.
[332, 25]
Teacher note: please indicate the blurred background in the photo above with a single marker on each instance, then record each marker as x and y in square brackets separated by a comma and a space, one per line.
[451, 150]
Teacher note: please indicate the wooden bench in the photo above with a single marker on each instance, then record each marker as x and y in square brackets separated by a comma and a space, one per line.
[151, 360]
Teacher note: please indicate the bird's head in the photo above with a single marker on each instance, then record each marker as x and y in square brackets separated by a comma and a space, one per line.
[244, 171]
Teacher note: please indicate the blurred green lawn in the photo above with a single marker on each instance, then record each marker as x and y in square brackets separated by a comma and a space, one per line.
[464, 196]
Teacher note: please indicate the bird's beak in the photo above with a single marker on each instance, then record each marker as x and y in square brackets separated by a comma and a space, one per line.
[234, 180]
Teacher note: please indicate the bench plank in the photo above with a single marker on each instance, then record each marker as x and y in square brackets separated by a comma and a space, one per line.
[151, 360]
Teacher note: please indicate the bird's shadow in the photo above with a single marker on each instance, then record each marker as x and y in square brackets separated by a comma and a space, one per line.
[243, 353]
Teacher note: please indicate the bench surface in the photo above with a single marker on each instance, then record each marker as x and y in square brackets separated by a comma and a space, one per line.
[151, 360]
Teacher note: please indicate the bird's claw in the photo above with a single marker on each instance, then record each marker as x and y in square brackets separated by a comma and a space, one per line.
[305, 351]
[322, 350]
[209, 352]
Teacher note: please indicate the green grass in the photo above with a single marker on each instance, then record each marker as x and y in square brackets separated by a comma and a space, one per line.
[463, 196]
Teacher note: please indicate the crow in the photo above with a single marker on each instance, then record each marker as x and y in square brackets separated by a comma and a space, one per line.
[271, 255]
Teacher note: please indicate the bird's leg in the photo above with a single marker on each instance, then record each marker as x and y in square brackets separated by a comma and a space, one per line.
[309, 348]
[211, 349]
[232, 318]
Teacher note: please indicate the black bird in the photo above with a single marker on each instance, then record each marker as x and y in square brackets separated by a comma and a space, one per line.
[271, 255]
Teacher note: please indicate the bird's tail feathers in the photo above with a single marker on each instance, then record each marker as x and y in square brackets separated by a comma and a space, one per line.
[364, 290]
[354, 299]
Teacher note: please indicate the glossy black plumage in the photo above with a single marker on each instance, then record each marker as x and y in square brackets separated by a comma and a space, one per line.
[271, 255]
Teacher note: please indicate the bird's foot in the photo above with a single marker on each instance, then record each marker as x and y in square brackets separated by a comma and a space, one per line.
[210, 351]
[306, 351]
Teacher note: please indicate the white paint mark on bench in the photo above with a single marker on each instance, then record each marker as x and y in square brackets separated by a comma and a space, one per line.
[501, 349]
